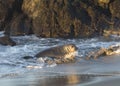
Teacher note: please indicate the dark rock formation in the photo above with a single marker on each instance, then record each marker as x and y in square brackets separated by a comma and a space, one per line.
[12, 19]
[56, 17]
[5, 6]
[59, 18]
[114, 8]
[19, 25]
[109, 33]
[6, 40]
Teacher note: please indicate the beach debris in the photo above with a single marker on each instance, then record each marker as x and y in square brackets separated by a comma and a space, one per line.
[112, 50]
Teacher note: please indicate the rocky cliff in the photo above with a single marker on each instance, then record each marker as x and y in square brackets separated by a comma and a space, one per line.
[59, 18]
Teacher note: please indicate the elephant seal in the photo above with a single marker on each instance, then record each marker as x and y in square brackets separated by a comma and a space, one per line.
[59, 52]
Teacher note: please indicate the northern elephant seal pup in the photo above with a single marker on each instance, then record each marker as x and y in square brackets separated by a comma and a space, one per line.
[60, 52]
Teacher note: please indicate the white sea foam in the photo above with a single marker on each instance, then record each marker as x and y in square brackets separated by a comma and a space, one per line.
[1, 33]
[117, 51]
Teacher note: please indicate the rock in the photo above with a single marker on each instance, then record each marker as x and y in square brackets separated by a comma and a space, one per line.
[104, 3]
[12, 19]
[20, 25]
[64, 18]
[47, 17]
[59, 18]
[108, 33]
[5, 6]
[6, 40]
[115, 14]
[114, 8]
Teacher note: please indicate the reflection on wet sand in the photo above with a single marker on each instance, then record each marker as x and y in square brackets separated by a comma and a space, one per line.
[72, 79]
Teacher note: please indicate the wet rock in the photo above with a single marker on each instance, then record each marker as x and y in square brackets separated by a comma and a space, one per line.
[5, 6]
[49, 20]
[104, 3]
[109, 33]
[59, 18]
[114, 8]
[6, 40]
[20, 25]
[67, 18]
[12, 20]
[17, 22]
[115, 14]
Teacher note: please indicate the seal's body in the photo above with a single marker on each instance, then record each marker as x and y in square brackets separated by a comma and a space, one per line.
[63, 51]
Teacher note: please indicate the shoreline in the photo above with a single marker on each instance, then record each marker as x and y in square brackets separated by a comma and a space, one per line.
[39, 79]
[112, 81]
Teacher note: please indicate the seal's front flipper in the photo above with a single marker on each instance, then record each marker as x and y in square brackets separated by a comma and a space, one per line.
[28, 57]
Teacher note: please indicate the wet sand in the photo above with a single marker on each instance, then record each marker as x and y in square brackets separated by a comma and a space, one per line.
[115, 81]
[55, 79]
[59, 80]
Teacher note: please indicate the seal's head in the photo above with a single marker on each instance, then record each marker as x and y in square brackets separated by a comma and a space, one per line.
[70, 51]
[69, 48]
[63, 51]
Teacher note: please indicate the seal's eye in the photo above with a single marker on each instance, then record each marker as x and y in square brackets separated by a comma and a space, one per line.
[72, 46]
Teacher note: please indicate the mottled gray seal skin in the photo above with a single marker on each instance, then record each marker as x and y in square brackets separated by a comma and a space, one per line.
[63, 51]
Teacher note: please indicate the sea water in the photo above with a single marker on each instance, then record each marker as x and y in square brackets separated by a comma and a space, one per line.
[16, 71]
